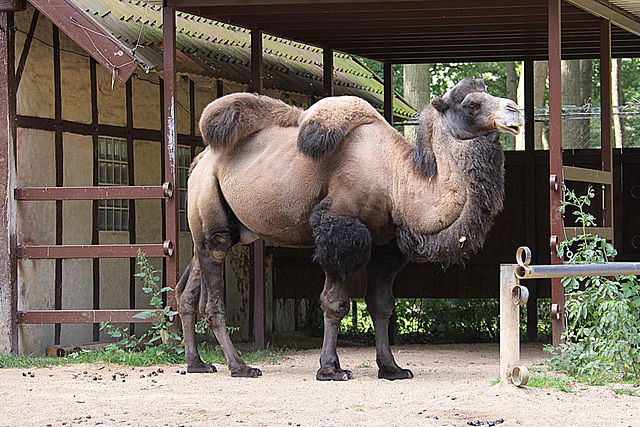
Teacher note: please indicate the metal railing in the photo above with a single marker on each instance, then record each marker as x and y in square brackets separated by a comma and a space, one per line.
[513, 295]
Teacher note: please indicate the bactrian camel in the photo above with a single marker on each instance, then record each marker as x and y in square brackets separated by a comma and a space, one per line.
[338, 178]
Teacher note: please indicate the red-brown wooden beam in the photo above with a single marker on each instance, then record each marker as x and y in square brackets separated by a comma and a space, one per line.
[95, 251]
[530, 191]
[555, 163]
[259, 285]
[102, 46]
[327, 71]
[8, 261]
[170, 146]
[45, 317]
[606, 117]
[93, 193]
[387, 104]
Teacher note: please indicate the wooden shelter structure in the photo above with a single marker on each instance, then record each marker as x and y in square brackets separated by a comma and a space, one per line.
[397, 32]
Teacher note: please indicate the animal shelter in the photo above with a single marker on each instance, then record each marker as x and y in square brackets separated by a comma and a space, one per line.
[103, 97]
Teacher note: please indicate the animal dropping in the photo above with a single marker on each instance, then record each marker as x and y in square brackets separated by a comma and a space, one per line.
[338, 178]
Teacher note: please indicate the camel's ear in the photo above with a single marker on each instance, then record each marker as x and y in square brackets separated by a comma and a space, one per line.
[439, 104]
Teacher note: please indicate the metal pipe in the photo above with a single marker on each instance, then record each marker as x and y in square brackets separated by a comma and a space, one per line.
[576, 270]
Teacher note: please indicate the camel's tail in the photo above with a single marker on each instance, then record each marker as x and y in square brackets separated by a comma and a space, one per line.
[327, 122]
[233, 117]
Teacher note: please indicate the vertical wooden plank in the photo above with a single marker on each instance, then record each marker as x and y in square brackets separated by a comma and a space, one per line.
[95, 236]
[530, 191]
[256, 61]
[388, 92]
[132, 203]
[606, 117]
[59, 153]
[219, 88]
[327, 71]
[8, 261]
[170, 145]
[259, 292]
[555, 155]
[388, 115]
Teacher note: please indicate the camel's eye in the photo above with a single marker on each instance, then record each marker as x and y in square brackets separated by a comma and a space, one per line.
[472, 107]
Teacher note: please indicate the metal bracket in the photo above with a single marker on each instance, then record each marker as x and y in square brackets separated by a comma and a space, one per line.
[167, 248]
[519, 295]
[167, 189]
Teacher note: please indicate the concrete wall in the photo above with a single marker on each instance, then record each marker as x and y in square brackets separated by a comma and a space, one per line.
[37, 220]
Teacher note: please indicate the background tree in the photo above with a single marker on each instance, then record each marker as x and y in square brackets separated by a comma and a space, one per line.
[416, 91]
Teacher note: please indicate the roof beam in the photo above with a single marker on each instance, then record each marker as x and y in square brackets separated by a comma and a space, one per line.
[617, 18]
[102, 47]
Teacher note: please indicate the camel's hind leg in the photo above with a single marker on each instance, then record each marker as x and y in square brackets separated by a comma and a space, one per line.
[386, 262]
[188, 296]
[343, 245]
[211, 257]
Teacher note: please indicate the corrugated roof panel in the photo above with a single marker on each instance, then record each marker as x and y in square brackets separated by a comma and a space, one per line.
[213, 49]
[632, 6]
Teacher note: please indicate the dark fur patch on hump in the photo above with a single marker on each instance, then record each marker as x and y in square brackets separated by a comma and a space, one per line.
[326, 123]
[343, 243]
[233, 117]
[315, 139]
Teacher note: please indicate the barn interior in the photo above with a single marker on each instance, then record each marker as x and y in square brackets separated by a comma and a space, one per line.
[391, 32]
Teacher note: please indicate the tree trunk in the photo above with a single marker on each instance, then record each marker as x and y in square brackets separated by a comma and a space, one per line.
[540, 75]
[616, 100]
[417, 92]
[512, 93]
[575, 85]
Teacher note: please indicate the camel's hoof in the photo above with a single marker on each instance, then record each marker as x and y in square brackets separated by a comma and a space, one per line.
[203, 369]
[327, 374]
[395, 374]
[247, 372]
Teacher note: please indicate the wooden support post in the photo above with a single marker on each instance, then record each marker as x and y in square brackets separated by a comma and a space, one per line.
[555, 161]
[59, 159]
[530, 190]
[171, 146]
[8, 261]
[388, 115]
[327, 71]
[388, 92]
[606, 117]
[259, 294]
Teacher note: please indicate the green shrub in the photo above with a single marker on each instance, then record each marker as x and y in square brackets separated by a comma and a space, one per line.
[602, 314]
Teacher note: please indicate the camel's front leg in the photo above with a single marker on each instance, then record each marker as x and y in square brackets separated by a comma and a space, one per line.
[335, 305]
[188, 295]
[211, 264]
[386, 262]
[343, 247]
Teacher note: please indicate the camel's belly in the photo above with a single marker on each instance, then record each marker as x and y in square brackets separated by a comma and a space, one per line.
[272, 188]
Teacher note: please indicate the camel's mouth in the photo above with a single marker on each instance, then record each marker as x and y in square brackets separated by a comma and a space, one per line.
[512, 129]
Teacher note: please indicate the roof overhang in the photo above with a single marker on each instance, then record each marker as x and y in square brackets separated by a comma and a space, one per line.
[414, 31]
[88, 34]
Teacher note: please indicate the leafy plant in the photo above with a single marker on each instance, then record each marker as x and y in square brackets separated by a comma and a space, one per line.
[160, 332]
[601, 337]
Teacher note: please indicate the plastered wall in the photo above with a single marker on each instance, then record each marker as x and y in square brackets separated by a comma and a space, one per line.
[36, 159]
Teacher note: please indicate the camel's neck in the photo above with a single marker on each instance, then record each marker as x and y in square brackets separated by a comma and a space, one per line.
[445, 218]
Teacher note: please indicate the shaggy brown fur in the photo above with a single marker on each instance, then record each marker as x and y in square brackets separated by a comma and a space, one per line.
[338, 178]
[236, 116]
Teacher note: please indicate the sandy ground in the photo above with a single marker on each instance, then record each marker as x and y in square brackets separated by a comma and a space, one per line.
[452, 386]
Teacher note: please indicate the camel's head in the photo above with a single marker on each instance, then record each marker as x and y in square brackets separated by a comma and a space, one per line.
[471, 112]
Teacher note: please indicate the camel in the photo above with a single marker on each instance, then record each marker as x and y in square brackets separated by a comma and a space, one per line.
[338, 178]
